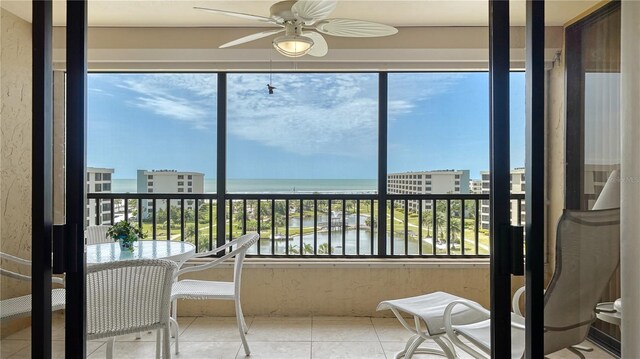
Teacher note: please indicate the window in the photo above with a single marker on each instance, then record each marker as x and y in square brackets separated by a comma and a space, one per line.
[180, 177]
[150, 184]
[180, 183]
[98, 176]
[593, 110]
[457, 176]
[457, 189]
[180, 189]
[189, 177]
[98, 187]
[328, 130]
[106, 187]
[150, 190]
[144, 110]
[189, 183]
[106, 206]
[189, 190]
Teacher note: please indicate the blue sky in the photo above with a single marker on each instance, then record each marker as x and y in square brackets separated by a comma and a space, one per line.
[314, 126]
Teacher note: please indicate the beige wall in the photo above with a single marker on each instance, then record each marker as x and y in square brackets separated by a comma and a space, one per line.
[15, 147]
[341, 289]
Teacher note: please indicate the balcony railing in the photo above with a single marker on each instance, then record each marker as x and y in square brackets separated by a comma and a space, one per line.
[314, 225]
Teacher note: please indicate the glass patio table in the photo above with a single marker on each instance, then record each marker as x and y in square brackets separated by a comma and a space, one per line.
[176, 251]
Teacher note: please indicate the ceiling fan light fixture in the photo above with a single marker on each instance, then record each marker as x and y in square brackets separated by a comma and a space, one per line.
[293, 45]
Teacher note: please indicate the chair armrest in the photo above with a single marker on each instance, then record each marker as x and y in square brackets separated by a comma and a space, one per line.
[15, 259]
[517, 325]
[15, 275]
[58, 280]
[216, 262]
[515, 302]
[216, 250]
[471, 305]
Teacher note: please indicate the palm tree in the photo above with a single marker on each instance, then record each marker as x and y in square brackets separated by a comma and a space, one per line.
[441, 219]
[427, 220]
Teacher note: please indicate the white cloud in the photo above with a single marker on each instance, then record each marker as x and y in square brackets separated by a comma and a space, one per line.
[308, 114]
[322, 113]
[188, 98]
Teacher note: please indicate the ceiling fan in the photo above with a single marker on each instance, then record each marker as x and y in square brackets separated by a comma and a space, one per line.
[302, 22]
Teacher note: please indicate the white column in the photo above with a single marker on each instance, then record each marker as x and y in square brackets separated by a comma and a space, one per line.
[630, 180]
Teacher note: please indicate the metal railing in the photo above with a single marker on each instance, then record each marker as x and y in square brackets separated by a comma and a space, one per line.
[314, 225]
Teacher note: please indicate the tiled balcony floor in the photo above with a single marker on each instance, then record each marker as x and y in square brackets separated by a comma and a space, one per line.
[274, 338]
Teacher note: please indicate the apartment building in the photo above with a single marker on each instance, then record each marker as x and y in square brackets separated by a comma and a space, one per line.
[427, 182]
[475, 186]
[168, 181]
[99, 181]
[517, 187]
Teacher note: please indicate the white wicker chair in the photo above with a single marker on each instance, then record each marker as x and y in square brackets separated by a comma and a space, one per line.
[97, 234]
[17, 307]
[201, 289]
[130, 296]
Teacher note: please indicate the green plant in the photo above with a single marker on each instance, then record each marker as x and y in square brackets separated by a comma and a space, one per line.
[126, 233]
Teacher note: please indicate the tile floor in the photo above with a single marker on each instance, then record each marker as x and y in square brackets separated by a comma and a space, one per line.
[273, 338]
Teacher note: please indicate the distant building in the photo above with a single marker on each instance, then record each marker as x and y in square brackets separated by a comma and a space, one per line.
[168, 181]
[517, 187]
[475, 186]
[99, 181]
[426, 182]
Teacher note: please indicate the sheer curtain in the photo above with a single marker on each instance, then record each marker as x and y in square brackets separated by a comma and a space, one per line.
[601, 63]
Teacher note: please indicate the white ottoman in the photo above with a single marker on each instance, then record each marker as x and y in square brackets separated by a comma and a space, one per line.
[427, 311]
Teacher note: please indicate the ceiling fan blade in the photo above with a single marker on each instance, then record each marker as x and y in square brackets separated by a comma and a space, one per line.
[311, 11]
[251, 37]
[320, 47]
[354, 28]
[238, 14]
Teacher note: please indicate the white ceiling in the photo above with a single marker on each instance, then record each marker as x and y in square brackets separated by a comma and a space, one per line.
[180, 13]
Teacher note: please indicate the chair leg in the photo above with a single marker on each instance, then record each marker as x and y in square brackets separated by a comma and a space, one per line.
[166, 343]
[412, 348]
[158, 340]
[244, 324]
[110, 345]
[174, 315]
[576, 352]
[582, 348]
[241, 329]
[174, 323]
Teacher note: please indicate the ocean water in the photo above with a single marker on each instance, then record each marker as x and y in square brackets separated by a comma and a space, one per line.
[272, 185]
